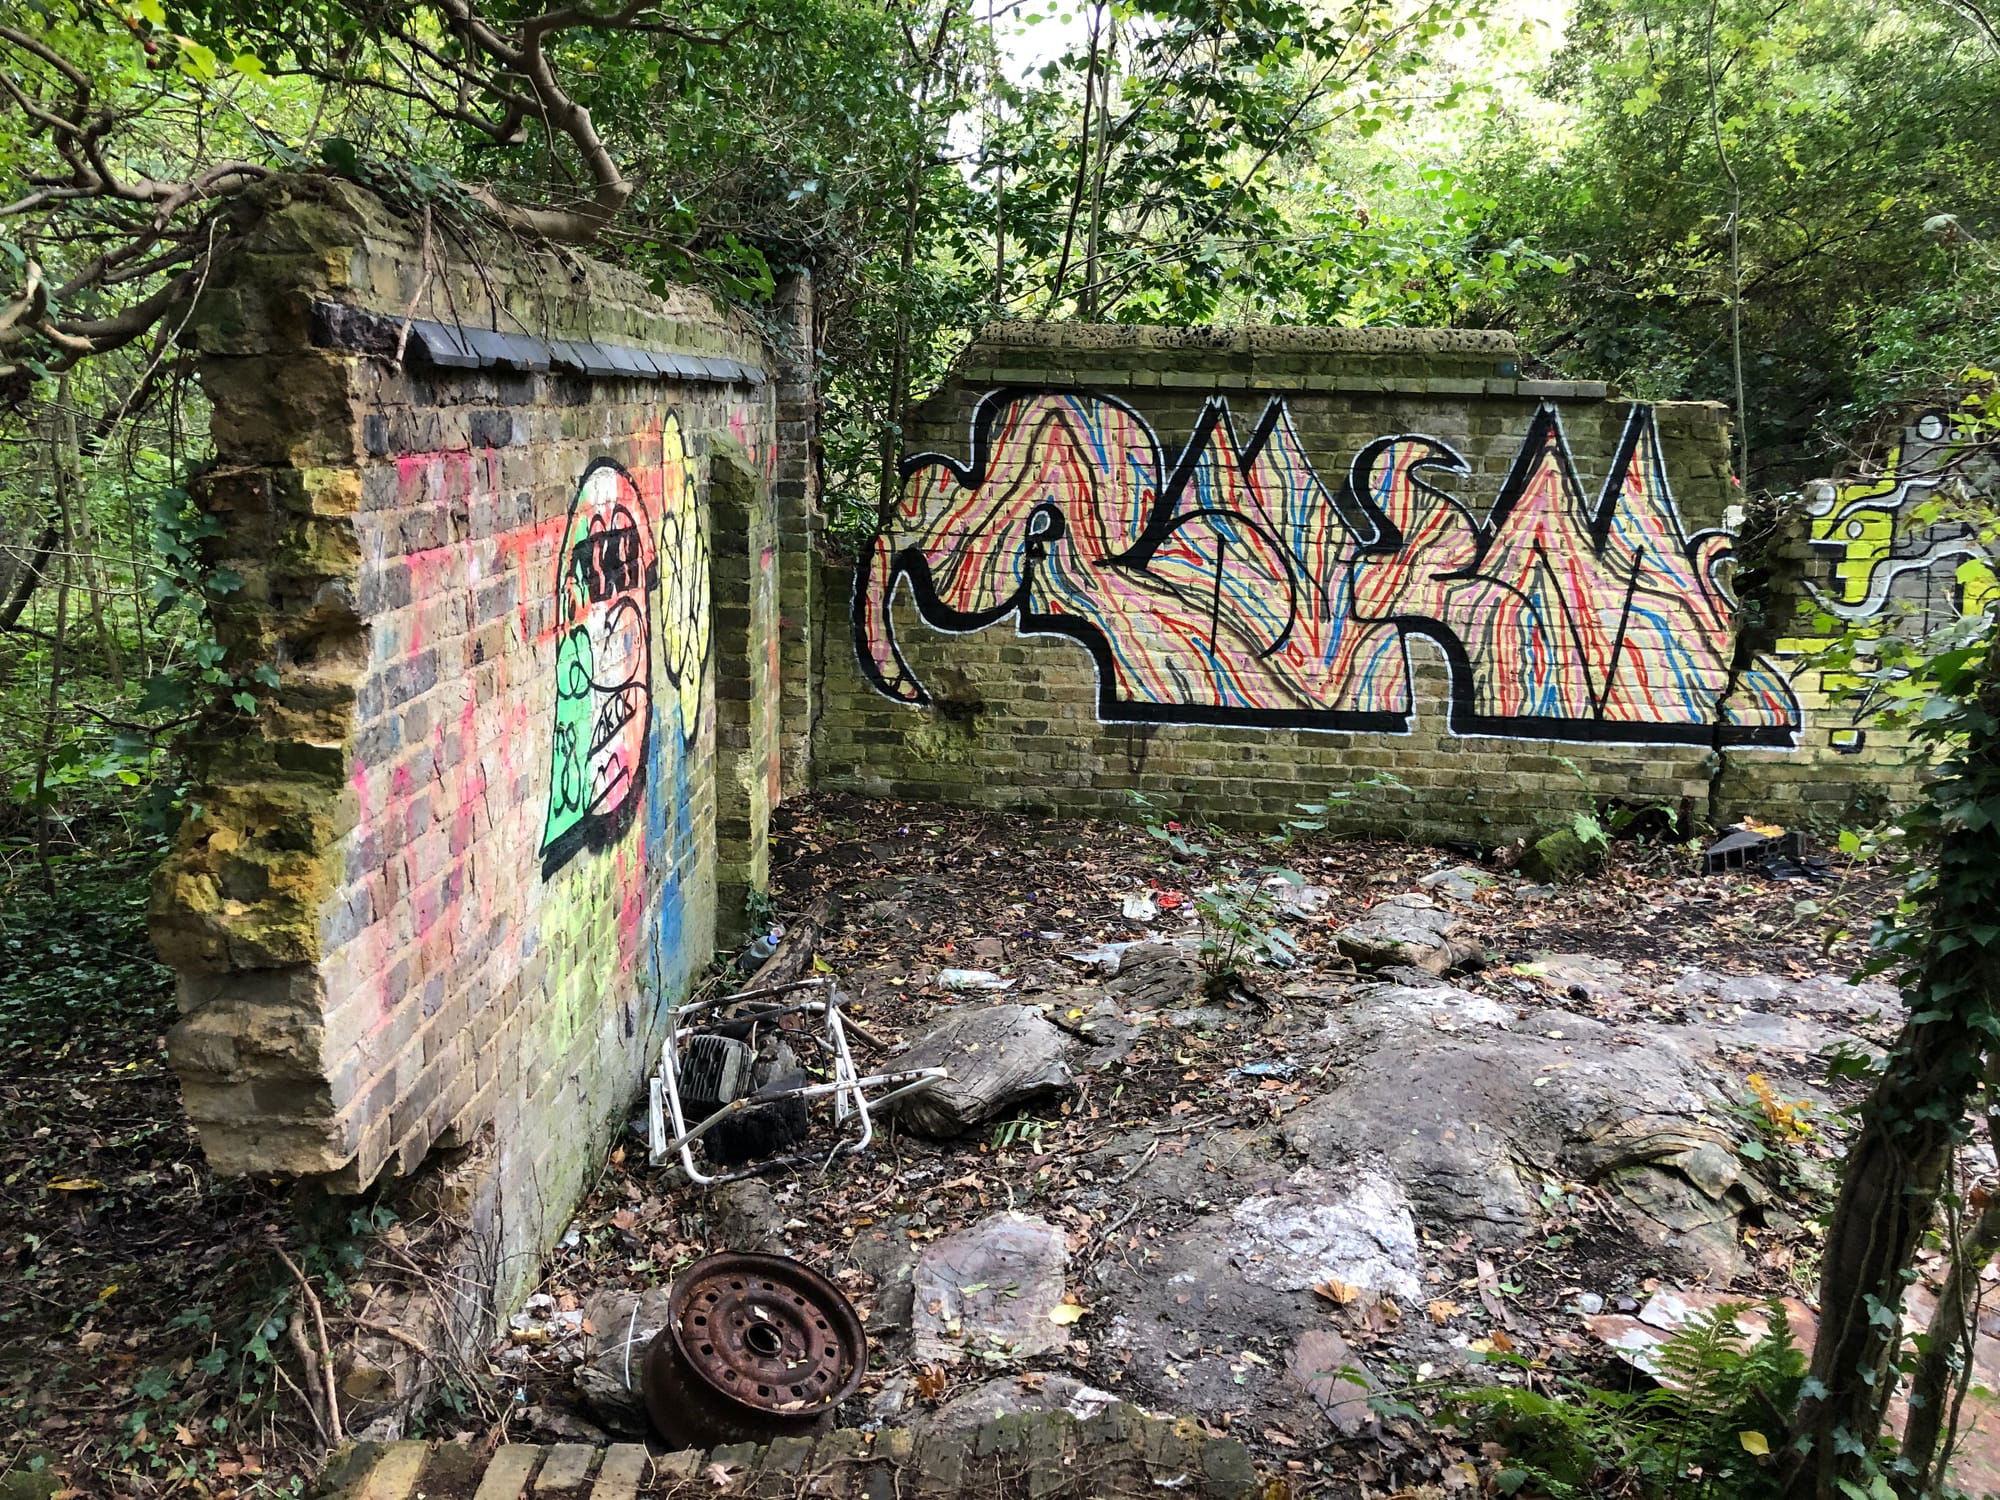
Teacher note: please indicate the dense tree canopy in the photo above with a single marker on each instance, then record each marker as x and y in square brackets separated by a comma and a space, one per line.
[1844, 154]
[1664, 193]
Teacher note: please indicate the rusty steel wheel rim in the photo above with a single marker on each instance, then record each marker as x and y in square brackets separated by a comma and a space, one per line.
[754, 1344]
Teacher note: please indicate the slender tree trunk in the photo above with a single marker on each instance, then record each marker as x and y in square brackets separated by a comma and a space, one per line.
[1735, 260]
[67, 454]
[1912, 1121]
[1082, 162]
[28, 578]
[1087, 294]
[52, 705]
[999, 241]
[999, 171]
[899, 360]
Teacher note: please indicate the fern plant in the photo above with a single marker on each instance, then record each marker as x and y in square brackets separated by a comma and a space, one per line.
[1707, 1431]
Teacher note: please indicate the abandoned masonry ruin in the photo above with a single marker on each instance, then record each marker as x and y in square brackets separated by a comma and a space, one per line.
[536, 555]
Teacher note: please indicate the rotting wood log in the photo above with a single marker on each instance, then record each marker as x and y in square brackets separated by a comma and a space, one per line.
[793, 959]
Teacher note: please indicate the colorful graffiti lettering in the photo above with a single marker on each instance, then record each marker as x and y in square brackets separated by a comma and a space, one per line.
[1236, 588]
[685, 582]
[1880, 550]
[605, 583]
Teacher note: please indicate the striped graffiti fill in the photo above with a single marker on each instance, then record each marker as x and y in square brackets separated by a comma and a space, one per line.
[1233, 587]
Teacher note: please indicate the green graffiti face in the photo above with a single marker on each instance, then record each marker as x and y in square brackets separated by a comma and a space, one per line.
[604, 654]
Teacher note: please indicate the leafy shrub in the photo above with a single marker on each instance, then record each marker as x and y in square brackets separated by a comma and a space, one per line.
[1706, 1432]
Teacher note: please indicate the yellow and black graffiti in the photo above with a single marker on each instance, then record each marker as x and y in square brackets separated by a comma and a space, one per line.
[1888, 560]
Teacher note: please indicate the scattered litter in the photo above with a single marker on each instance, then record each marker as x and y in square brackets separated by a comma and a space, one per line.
[1636, 1340]
[759, 951]
[1268, 1070]
[973, 979]
[1776, 853]
[1139, 906]
[1105, 956]
[1306, 902]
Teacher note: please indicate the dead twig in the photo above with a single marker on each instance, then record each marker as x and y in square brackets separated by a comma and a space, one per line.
[409, 1341]
[325, 1347]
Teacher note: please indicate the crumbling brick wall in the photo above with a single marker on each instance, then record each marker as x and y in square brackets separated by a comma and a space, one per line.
[1243, 571]
[1852, 561]
[452, 870]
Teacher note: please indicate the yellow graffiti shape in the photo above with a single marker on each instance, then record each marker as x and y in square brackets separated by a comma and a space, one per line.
[1864, 532]
[684, 628]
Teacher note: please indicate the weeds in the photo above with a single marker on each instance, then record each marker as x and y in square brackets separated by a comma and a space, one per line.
[1245, 911]
[1709, 1430]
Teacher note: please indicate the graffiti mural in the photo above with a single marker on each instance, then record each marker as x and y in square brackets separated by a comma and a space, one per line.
[1886, 562]
[685, 581]
[610, 575]
[1235, 587]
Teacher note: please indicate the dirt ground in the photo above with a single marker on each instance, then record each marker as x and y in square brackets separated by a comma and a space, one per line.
[1142, 1164]
[136, 1290]
[141, 1347]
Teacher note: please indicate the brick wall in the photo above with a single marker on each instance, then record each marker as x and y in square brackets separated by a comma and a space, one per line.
[445, 880]
[1895, 554]
[800, 526]
[749, 771]
[1247, 570]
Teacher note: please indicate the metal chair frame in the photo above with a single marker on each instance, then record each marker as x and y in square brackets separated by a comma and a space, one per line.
[848, 1087]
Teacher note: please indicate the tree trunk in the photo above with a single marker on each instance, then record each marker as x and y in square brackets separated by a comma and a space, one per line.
[1087, 295]
[899, 364]
[1083, 162]
[1911, 1123]
[1944, 1369]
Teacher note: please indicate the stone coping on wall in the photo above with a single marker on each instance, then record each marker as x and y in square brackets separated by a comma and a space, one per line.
[1453, 363]
[1249, 338]
[354, 330]
[318, 239]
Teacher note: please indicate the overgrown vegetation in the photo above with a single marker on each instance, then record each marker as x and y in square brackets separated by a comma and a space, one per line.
[1707, 1427]
[137, 1340]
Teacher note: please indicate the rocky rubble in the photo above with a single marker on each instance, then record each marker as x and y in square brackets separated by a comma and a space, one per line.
[1267, 1202]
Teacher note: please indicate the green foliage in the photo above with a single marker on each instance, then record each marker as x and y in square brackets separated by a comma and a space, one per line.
[1855, 292]
[1243, 923]
[1242, 904]
[80, 972]
[1589, 832]
[1708, 1431]
[1022, 1131]
[1202, 160]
